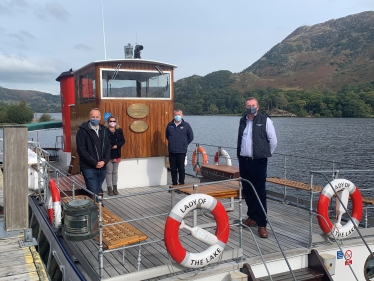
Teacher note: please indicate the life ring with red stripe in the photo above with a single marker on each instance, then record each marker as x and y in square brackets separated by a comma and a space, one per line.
[217, 242]
[196, 166]
[221, 152]
[324, 221]
[54, 204]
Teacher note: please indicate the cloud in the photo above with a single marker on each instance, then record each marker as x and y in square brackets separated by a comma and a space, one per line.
[22, 35]
[83, 47]
[19, 4]
[52, 9]
[18, 69]
[4, 10]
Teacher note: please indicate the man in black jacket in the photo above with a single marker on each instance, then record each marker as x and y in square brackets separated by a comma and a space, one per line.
[93, 148]
[256, 142]
[179, 135]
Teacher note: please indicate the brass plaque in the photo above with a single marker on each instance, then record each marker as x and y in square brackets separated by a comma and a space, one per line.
[138, 126]
[138, 110]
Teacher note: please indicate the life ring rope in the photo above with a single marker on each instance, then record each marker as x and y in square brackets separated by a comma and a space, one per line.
[348, 189]
[217, 242]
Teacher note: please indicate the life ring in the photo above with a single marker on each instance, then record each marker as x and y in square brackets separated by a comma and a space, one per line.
[217, 242]
[223, 153]
[201, 150]
[54, 204]
[324, 222]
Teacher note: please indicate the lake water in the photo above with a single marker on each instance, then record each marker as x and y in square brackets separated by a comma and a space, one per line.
[309, 143]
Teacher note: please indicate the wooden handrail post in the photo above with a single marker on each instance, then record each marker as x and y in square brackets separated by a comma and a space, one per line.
[15, 177]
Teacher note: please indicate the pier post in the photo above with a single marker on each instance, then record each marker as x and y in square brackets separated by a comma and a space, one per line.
[15, 163]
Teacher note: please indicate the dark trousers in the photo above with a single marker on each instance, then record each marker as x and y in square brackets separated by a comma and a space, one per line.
[255, 171]
[177, 167]
[94, 178]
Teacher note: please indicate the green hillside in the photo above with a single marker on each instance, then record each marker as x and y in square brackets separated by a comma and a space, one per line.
[36, 101]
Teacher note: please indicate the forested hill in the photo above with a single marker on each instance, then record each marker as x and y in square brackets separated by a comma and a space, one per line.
[325, 55]
[322, 70]
[37, 101]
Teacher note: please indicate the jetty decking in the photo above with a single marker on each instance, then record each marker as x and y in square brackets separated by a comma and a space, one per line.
[18, 263]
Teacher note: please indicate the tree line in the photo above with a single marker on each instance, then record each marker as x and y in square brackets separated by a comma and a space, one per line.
[20, 114]
[212, 95]
[16, 113]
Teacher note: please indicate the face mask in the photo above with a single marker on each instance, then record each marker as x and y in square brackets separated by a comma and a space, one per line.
[112, 124]
[94, 122]
[251, 110]
[177, 118]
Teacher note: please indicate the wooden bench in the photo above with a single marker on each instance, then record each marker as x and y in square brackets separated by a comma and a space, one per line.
[66, 185]
[226, 189]
[114, 236]
[219, 172]
[306, 187]
[224, 172]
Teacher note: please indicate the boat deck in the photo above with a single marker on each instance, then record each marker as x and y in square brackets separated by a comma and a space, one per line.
[290, 224]
[147, 208]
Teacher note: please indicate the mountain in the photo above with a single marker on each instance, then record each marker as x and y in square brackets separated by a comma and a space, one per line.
[327, 55]
[37, 101]
[321, 70]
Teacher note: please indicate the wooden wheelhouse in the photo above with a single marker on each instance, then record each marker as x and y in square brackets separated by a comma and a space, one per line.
[140, 93]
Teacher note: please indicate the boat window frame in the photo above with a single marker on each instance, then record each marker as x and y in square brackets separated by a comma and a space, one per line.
[134, 98]
[79, 86]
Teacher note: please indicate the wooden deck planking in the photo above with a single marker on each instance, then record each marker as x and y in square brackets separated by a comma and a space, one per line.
[155, 254]
[111, 259]
[265, 245]
[19, 263]
[152, 224]
[292, 234]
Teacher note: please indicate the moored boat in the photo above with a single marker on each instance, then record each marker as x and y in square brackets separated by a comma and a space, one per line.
[125, 238]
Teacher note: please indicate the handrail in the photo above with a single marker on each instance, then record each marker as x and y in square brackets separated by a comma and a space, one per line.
[322, 173]
[45, 176]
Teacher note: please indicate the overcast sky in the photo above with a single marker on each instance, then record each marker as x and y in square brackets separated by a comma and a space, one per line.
[41, 38]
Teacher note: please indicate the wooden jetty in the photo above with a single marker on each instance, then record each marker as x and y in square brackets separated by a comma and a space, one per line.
[18, 263]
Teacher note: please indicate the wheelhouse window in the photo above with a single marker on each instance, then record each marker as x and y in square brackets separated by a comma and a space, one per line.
[86, 86]
[135, 84]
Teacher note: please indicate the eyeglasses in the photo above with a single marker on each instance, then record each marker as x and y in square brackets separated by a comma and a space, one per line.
[112, 120]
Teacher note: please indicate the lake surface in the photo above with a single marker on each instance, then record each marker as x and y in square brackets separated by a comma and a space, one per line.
[304, 144]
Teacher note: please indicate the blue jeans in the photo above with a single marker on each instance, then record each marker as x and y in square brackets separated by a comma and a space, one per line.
[254, 171]
[94, 178]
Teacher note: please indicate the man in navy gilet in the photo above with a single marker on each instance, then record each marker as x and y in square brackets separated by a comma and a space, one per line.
[256, 142]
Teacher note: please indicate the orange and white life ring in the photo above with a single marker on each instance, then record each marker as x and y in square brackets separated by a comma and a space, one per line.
[222, 152]
[54, 204]
[324, 222]
[217, 242]
[196, 166]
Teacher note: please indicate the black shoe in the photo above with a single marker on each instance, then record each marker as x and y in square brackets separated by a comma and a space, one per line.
[175, 183]
[181, 183]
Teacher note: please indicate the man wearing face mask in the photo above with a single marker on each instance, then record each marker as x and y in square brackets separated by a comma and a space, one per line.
[179, 135]
[256, 142]
[93, 148]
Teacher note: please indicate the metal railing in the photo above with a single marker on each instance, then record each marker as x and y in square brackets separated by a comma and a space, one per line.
[44, 166]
